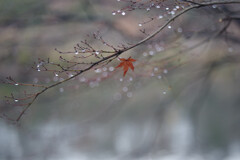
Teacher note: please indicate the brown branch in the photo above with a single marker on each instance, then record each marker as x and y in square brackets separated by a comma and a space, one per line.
[119, 52]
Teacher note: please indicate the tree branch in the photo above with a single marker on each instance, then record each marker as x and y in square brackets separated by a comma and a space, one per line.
[119, 52]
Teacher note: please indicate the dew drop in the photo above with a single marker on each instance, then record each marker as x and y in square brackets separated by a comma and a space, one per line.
[16, 84]
[97, 52]
[16, 100]
[123, 13]
[169, 27]
[167, 8]
[140, 25]
[56, 74]
[114, 13]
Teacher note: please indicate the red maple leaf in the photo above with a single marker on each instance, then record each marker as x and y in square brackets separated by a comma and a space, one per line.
[126, 63]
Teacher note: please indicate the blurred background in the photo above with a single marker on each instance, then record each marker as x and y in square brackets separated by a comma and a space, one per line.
[187, 111]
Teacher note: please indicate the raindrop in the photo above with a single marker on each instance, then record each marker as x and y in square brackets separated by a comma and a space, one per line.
[129, 94]
[61, 79]
[55, 79]
[151, 53]
[214, 6]
[98, 70]
[35, 80]
[117, 96]
[104, 69]
[82, 79]
[47, 80]
[125, 89]
[165, 71]
[105, 74]
[111, 69]
[230, 49]
[159, 77]
[98, 79]
[179, 30]
[61, 90]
